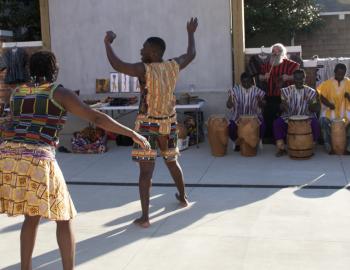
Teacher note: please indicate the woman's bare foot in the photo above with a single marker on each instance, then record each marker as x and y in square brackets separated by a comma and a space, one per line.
[182, 199]
[142, 222]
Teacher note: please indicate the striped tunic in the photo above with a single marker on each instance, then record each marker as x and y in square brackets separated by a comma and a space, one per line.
[245, 101]
[298, 100]
[275, 82]
[36, 117]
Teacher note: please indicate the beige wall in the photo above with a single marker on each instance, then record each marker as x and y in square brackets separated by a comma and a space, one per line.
[77, 29]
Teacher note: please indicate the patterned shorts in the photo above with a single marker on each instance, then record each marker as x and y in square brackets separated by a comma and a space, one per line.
[167, 144]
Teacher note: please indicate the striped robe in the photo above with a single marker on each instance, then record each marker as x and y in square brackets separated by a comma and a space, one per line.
[275, 82]
[298, 100]
[245, 101]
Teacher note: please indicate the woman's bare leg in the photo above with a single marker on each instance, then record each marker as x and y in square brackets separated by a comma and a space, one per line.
[28, 236]
[66, 243]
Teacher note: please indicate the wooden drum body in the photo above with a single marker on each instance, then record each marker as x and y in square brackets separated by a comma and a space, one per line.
[338, 136]
[299, 138]
[248, 135]
[218, 135]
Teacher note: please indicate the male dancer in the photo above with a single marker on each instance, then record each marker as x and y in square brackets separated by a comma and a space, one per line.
[156, 119]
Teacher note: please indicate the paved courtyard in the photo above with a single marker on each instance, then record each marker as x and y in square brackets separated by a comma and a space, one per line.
[259, 213]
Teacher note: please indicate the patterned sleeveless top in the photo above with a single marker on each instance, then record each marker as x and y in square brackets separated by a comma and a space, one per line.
[157, 104]
[36, 117]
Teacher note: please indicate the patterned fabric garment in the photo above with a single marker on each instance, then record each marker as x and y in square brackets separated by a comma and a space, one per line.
[31, 183]
[245, 102]
[275, 82]
[334, 92]
[157, 104]
[37, 118]
[254, 68]
[298, 101]
[16, 60]
[166, 143]
[325, 68]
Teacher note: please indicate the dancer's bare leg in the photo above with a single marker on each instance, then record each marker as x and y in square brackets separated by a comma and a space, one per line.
[28, 236]
[145, 183]
[66, 243]
[175, 171]
[177, 175]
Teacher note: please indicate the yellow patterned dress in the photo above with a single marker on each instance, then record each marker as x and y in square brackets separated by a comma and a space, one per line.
[31, 182]
[156, 119]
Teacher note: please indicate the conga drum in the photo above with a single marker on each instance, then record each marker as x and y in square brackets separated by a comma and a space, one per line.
[299, 138]
[218, 135]
[338, 136]
[248, 135]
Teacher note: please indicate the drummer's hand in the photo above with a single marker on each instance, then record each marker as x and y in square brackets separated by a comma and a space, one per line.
[229, 103]
[285, 77]
[284, 107]
[142, 141]
[347, 95]
[264, 77]
[331, 106]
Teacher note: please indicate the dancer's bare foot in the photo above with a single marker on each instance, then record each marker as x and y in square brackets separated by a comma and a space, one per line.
[182, 199]
[331, 152]
[280, 153]
[142, 222]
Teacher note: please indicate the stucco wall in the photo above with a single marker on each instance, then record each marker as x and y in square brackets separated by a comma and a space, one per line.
[78, 26]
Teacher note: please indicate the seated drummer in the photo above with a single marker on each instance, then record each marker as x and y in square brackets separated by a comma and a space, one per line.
[244, 99]
[296, 99]
[335, 99]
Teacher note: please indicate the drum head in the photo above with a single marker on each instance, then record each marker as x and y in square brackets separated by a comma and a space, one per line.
[338, 120]
[299, 117]
[248, 116]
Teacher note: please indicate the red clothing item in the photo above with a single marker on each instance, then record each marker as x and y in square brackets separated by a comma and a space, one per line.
[275, 82]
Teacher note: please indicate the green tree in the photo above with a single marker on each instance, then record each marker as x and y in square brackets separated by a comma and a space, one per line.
[282, 18]
[22, 17]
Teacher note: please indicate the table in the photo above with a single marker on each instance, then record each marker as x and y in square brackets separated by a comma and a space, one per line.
[196, 107]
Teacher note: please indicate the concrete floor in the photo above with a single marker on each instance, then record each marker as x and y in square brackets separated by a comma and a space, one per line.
[259, 213]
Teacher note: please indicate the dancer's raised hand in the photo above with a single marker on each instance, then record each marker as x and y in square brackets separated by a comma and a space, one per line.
[192, 25]
[110, 36]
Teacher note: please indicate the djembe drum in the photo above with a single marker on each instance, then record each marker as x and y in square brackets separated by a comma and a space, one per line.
[218, 135]
[299, 138]
[248, 135]
[338, 136]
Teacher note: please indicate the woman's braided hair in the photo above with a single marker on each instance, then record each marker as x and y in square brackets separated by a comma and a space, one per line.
[43, 64]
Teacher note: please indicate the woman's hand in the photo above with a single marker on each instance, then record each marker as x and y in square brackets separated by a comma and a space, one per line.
[140, 140]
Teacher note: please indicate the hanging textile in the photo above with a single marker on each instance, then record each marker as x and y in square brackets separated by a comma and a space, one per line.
[16, 60]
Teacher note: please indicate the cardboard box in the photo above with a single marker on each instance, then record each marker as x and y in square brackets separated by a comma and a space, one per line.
[182, 144]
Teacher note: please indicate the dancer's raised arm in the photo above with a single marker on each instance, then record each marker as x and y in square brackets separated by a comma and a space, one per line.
[187, 58]
[135, 70]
